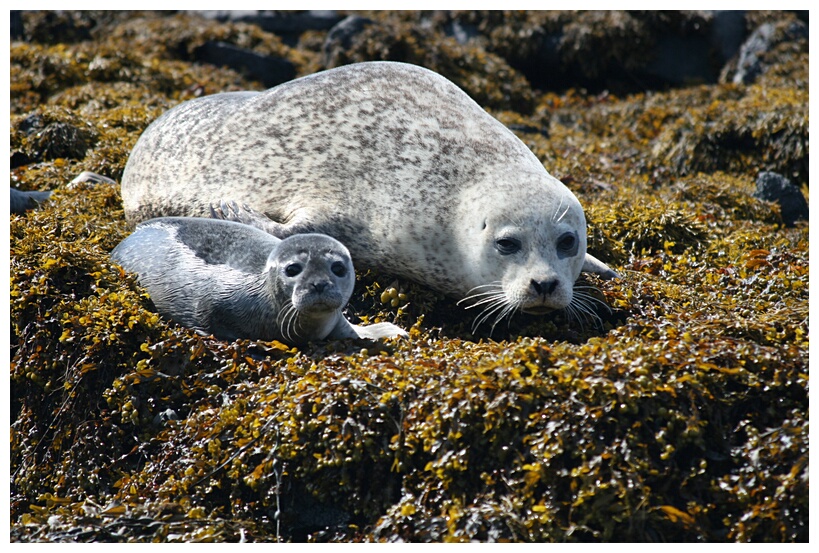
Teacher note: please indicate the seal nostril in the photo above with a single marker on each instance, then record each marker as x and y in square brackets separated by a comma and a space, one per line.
[319, 286]
[544, 287]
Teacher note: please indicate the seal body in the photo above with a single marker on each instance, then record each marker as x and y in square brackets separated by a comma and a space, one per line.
[393, 160]
[235, 281]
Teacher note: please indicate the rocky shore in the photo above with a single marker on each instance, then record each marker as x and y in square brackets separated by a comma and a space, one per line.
[680, 413]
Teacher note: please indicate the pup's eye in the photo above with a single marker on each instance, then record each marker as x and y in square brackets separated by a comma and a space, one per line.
[507, 246]
[339, 269]
[292, 270]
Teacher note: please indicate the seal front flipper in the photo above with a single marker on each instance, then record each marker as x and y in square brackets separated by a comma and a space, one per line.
[229, 210]
[594, 265]
[345, 329]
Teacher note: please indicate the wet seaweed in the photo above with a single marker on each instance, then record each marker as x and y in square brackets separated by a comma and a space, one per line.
[679, 414]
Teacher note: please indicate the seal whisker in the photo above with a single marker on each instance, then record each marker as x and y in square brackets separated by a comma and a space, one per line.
[284, 317]
[581, 308]
[498, 305]
[493, 296]
[557, 209]
[478, 294]
[497, 285]
[292, 323]
[587, 297]
[483, 315]
[507, 312]
[565, 211]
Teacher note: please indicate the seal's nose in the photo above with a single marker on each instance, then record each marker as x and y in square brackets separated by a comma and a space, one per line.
[544, 287]
[320, 286]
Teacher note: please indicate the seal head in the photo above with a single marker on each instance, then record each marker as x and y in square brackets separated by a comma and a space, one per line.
[524, 260]
[311, 278]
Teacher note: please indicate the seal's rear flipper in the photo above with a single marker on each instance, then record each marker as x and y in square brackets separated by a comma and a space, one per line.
[22, 201]
[594, 265]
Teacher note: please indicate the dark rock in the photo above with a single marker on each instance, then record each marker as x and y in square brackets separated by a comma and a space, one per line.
[773, 187]
[280, 22]
[461, 32]
[751, 58]
[682, 59]
[31, 123]
[22, 201]
[16, 21]
[269, 70]
[59, 139]
[341, 36]
[288, 25]
[531, 129]
[164, 416]
[727, 33]
[699, 54]
[18, 159]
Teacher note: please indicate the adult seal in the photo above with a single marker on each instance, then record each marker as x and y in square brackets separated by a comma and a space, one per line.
[235, 281]
[393, 160]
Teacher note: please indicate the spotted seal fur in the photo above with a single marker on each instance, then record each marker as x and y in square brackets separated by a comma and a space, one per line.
[393, 160]
[235, 281]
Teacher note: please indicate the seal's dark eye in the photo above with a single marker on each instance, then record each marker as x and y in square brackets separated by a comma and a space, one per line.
[292, 270]
[567, 243]
[339, 269]
[507, 246]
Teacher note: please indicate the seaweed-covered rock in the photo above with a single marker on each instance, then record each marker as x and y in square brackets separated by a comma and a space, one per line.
[268, 70]
[757, 51]
[674, 408]
[51, 134]
[776, 188]
[487, 78]
[340, 37]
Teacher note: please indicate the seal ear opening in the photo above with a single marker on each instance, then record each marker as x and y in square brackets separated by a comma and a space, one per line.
[594, 265]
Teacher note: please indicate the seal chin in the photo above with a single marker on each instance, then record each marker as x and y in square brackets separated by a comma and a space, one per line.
[537, 310]
[321, 304]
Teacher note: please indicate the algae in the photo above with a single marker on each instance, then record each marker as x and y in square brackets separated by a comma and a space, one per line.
[678, 412]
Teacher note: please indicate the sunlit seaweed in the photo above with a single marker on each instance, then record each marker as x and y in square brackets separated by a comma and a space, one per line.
[680, 415]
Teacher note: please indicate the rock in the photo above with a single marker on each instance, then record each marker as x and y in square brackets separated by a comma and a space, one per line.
[16, 20]
[727, 33]
[271, 71]
[288, 25]
[773, 187]
[461, 32]
[751, 62]
[340, 37]
[683, 58]
[164, 416]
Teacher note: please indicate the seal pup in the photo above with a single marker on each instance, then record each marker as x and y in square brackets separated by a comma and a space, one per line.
[235, 281]
[392, 159]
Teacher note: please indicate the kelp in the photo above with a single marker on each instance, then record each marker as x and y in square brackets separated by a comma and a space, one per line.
[677, 412]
